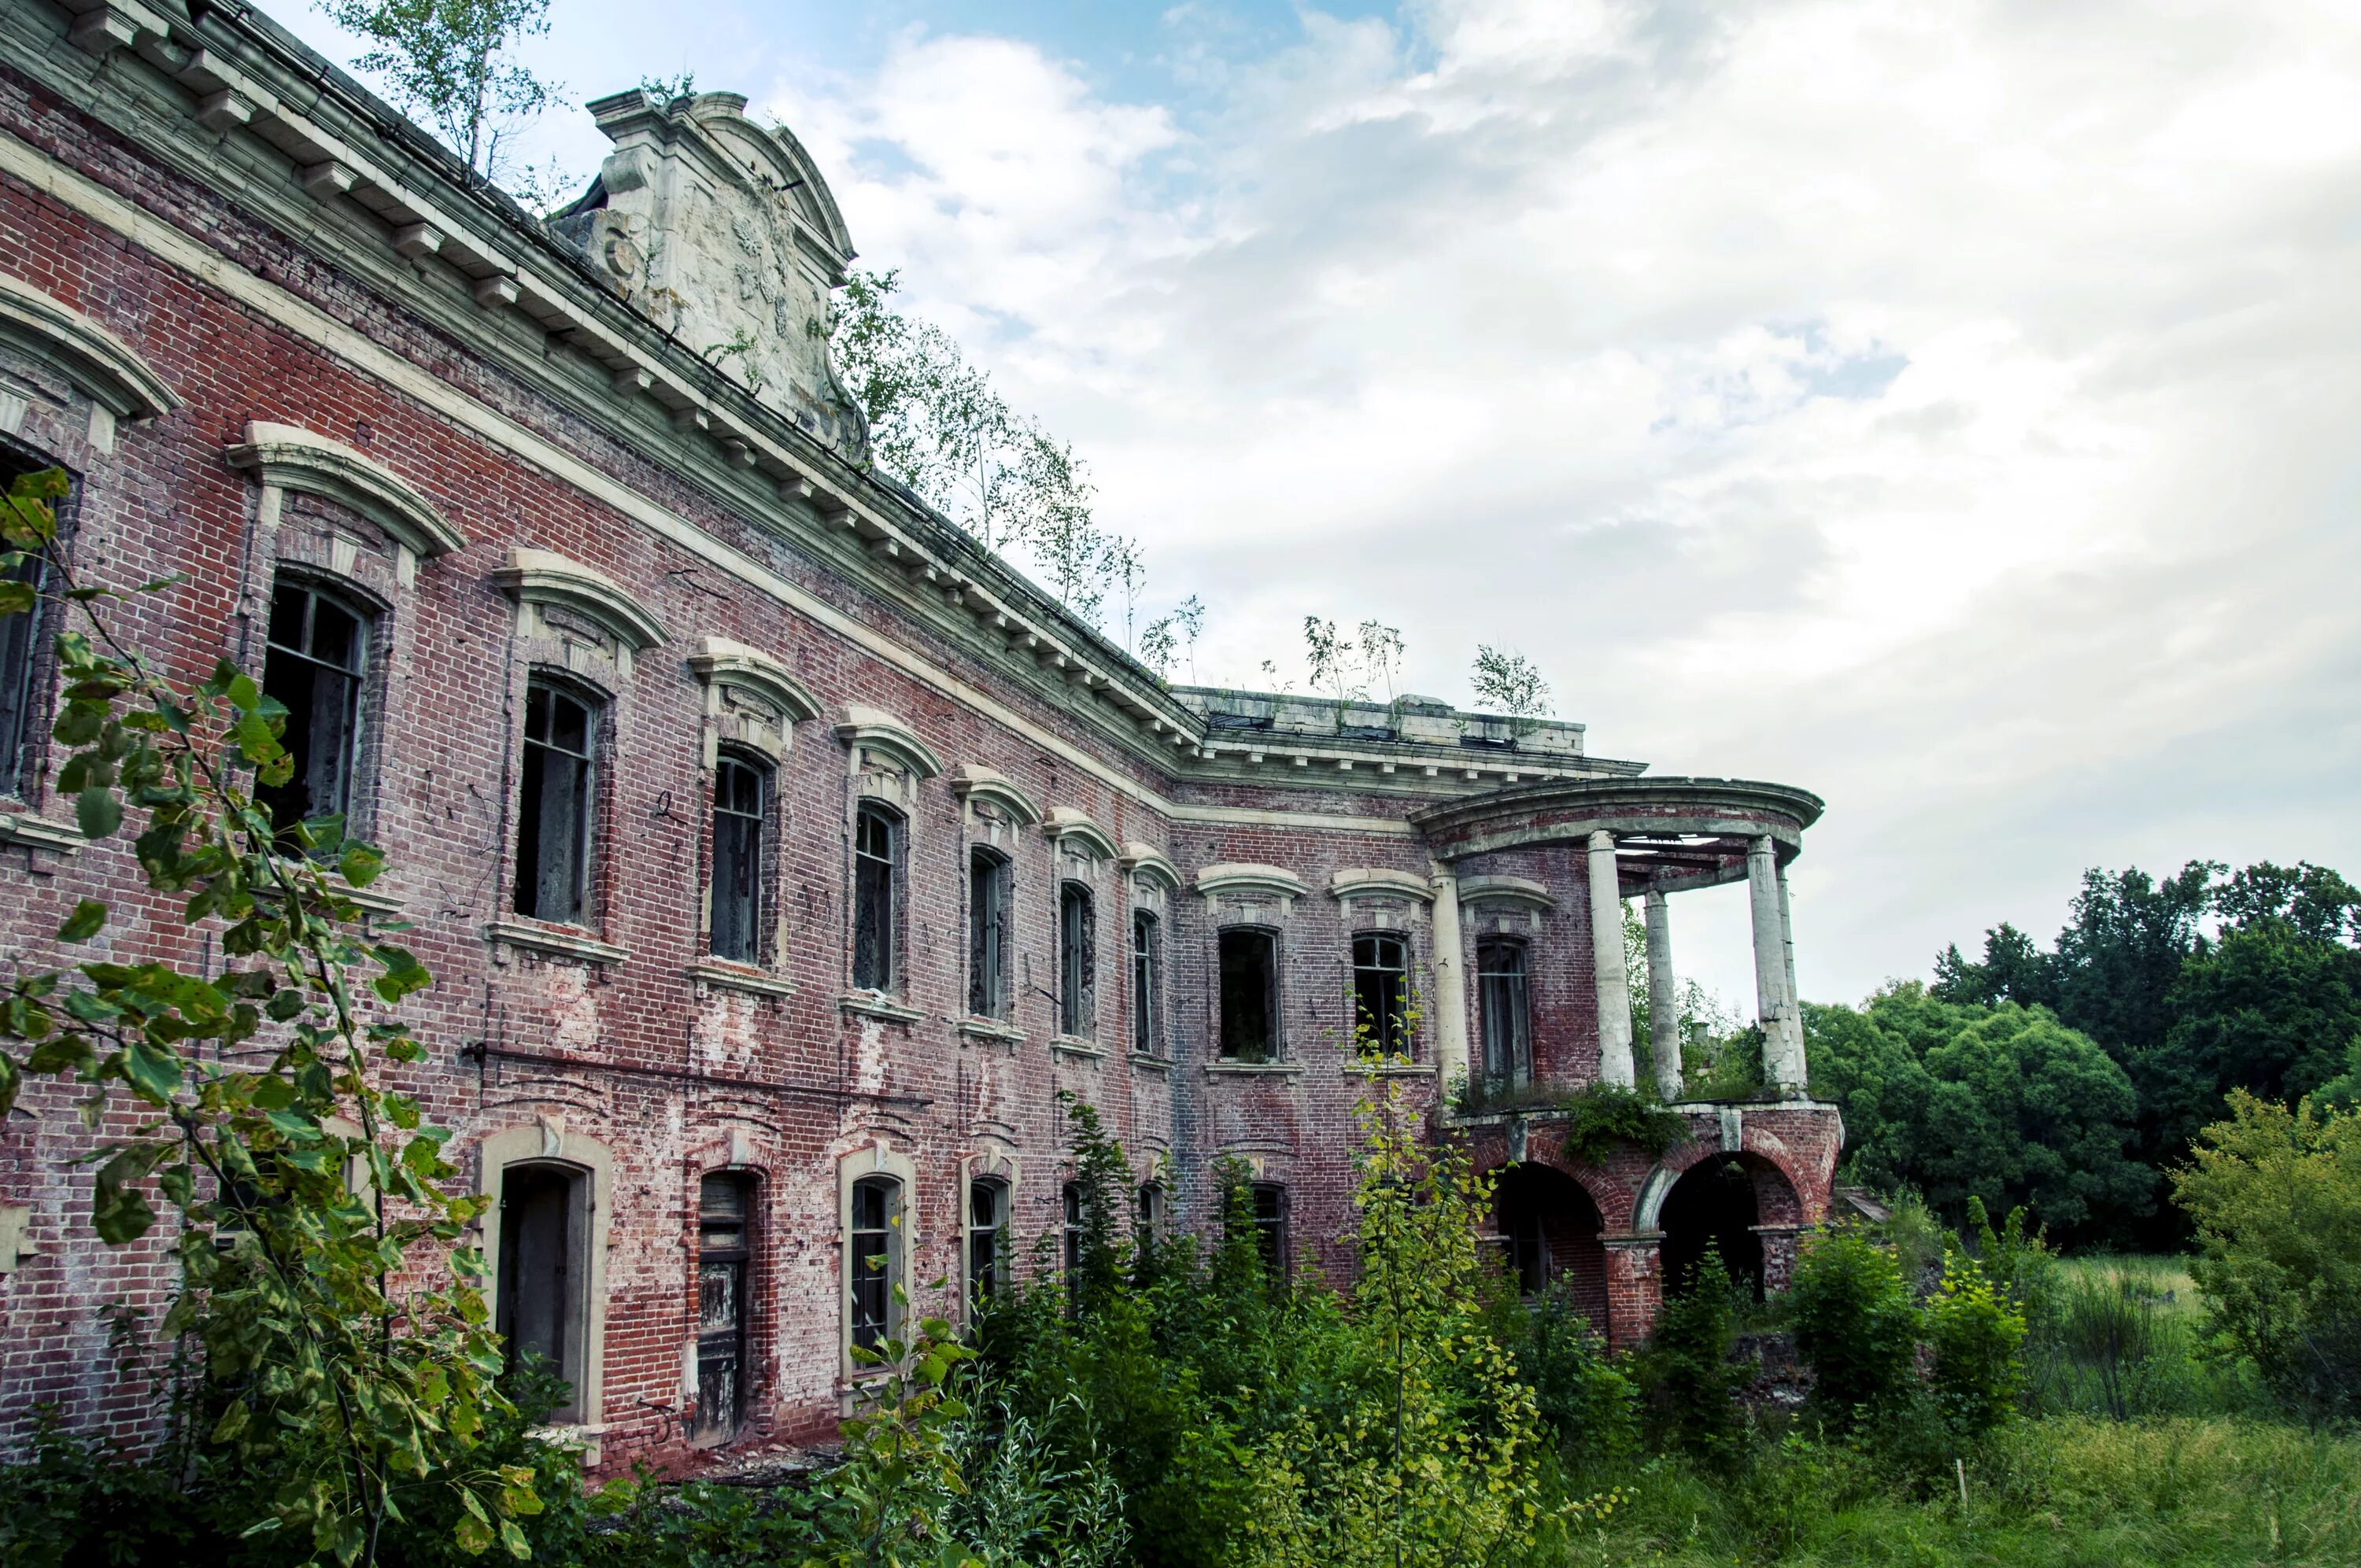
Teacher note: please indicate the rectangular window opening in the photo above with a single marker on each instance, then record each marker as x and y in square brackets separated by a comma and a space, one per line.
[314, 655]
[1381, 994]
[724, 1211]
[553, 821]
[1249, 964]
[987, 933]
[1503, 1013]
[1077, 963]
[876, 865]
[874, 1256]
[543, 1274]
[20, 643]
[1146, 963]
[741, 797]
[987, 1233]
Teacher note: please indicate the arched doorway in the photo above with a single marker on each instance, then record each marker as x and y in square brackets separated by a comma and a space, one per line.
[1549, 1228]
[1722, 1201]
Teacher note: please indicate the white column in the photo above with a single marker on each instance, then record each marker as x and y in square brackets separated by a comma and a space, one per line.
[1783, 1037]
[1607, 965]
[1450, 983]
[1664, 997]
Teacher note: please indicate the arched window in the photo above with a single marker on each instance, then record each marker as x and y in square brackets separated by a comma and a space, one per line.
[724, 1212]
[553, 826]
[1077, 962]
[1146, 975]
[988, 1231]
[877, 883]
[315, 660]
[873, 1257]
[1502, 1012]
[1381, 994]
[987, 933]
[1249, 963]
[544, 1273]
[741, 809]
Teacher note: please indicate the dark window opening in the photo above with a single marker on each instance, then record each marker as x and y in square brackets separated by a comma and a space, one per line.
[1381, 994]
[876, 1244]
[741, 805]
[987, 933]
[1146, 963]
[1151, 1212]
[987, 1229]
[1249, 959]
[20, 640]
[314, 658]
[540, 1273]
[876, 862]
[554, 825]
[1270, 1227]
[723, 1249]
[1077, 963]
[1073, 1237]
[1503, 1013]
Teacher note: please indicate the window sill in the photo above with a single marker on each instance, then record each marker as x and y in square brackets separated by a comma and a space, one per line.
[1153, 1063]
[978, 1029]
[1071, 1046]
[1253, 1069]
[877, 1005]
[556, 941]
[1389, 1069]
[727, 976]
[37, 832]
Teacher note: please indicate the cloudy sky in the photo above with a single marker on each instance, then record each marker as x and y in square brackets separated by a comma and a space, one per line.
[1954, 409]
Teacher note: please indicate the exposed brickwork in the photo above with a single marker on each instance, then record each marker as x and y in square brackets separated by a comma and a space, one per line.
[636, 1065]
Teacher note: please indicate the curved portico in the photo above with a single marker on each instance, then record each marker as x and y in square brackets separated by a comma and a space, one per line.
[1587, 845]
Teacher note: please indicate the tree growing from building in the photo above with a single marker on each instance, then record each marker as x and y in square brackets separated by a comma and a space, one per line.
[454, 63]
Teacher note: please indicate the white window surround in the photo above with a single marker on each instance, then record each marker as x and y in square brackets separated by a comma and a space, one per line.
[95, 362]
[975, 784]
[863, 730]
[1379, 882]
[876, 1158]
[538, 577]
[1146, 866]
[1072, 832]
[723, 665]
[288, 457]
[551, 1143]
[1244, 882]
[1522, 892]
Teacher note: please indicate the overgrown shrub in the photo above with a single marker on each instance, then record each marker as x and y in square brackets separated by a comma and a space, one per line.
[1583, 1394]
[1599, 1117]
[1978, 1338]
[1855, 1325]
[1691, 1388]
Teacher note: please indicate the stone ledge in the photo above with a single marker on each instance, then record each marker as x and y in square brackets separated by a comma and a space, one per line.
[555, 942]
[1070, 1046]
[1152, 1063]
[876, 1005]
[730, 977]
[1253, 1069]
[38, 832]
[976, 1028]
[1389, 1069]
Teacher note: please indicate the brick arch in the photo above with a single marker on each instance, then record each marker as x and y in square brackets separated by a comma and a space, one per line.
[1541, 1207]
[1614, 1199]
[1778, 1185]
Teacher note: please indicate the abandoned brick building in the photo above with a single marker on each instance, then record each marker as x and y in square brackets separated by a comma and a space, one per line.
[779, 852]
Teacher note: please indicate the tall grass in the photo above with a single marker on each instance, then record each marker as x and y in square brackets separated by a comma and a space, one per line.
[2123, 1338]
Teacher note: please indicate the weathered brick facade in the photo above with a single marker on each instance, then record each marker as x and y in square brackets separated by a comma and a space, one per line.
[276, 338]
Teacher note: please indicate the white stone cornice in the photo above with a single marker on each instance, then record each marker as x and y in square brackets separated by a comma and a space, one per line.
[1379, 882]
[543, 576]
[1144, 863]
[1066, 825]
[1522, 891]
[721, 661]
[101, 365]
[972, 783]
[1232, 879]
[864, 728]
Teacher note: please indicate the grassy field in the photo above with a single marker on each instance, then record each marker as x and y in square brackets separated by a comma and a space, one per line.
[2068, 1491]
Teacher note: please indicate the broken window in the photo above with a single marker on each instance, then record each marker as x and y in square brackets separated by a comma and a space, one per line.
[541, 1273]
[876, 865]
[1151, 1212]
[1271, 1228]
[21, 639]
[1074, 1238]
[1381, 994]
[1249, 960]
[987, 1225]
[1146, 963]
[873, 1257]
[1503, 1013]
[742, 804]
[553, 818]
[313, 663]
[1077, 963]
[723, 1208]
[987, 933]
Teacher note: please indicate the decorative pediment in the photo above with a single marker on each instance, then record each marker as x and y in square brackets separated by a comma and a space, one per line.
[1143, 860]
[977, 785]
[99, 365]
[721, 231]
[1070, 829]
[540, 579]
[873, 734]
[1521, 893]
[724, 664]
[289, 457]
[1379, 882]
